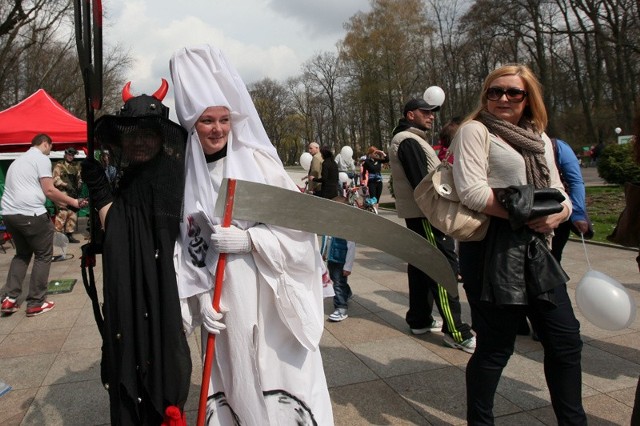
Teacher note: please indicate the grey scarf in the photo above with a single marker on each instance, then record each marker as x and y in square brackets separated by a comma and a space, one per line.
[526, 141]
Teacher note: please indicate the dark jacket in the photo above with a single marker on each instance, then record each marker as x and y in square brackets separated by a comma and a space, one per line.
[518, 266]
[329, 179]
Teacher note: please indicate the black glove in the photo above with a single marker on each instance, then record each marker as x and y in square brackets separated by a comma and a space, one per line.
[94, 176]
[517, 200]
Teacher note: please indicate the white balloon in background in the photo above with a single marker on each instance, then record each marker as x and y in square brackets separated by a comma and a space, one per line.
[346, 153]
[343, 177]
[434, 95]
[305, 161]
[605, 302]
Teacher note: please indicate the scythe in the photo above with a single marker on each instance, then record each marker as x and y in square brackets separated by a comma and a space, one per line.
[88, 31]
[292, 209]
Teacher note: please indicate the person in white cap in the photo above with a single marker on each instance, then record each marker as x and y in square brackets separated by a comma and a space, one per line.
[267, 340]
[411, 159]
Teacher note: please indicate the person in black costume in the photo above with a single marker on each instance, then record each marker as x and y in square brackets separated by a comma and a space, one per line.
[146, 365]
[328, 176]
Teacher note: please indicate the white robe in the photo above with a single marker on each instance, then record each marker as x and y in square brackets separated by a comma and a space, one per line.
[267, 367]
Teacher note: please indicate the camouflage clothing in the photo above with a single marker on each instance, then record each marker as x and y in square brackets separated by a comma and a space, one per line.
[66, 221]
[66, 177]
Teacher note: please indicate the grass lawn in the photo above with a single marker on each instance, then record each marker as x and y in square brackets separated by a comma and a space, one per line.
[604, 205]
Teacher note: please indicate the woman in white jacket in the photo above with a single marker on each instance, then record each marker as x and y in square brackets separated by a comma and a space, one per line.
[503, 145]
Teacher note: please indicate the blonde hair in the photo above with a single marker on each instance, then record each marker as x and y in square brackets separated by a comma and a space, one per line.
[535, 111]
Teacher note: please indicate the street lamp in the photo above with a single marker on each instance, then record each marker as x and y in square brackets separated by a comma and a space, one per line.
[618, 130]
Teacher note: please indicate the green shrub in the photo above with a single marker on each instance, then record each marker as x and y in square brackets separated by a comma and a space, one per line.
[616, 165]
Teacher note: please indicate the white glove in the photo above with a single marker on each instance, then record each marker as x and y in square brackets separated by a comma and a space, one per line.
[230, 240]
[210, 318]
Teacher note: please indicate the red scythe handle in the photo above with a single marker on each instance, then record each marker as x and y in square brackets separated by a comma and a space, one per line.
[217, 292]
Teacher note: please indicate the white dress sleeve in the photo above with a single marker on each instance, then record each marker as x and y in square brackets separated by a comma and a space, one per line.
[289, 262]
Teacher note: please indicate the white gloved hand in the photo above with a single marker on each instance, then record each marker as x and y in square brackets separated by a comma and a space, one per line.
[230, 240]
[210, 318]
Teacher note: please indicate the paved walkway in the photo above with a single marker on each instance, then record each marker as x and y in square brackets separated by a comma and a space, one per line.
[377, 372]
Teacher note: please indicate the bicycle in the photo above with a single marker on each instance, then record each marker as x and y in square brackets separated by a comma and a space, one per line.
[358, 196]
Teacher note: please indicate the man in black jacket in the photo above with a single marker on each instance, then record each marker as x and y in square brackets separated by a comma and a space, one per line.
[412, 158]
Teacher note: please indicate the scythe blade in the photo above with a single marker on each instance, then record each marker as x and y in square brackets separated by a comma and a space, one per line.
[289, 209]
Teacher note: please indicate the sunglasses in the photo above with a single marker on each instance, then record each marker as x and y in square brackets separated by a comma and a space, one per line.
[513, 94]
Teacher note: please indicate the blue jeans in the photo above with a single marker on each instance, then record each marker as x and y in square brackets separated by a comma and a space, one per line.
[340, 285]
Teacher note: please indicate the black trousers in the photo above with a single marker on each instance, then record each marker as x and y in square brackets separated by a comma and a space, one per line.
[635, 414]
[560, 238]
[375, 188]
[423, 291]
[496, 327]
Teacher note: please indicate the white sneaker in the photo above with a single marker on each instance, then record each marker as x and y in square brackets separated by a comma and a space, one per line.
[435, 326]
[340, 314]
[469, 345]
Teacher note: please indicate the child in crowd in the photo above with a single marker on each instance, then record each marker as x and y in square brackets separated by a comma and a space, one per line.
[340, 254]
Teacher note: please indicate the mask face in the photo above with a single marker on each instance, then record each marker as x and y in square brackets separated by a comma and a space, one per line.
[141, 145]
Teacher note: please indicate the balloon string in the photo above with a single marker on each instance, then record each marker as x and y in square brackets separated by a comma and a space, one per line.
[584, 246]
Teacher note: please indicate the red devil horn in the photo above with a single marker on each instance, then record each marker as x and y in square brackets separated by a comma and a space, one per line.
[126, 92]
[162, 91]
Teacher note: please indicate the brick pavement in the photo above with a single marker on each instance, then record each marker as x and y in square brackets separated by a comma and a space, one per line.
[377, 372]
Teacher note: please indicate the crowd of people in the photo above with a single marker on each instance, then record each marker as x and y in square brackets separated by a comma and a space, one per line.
[162, 245]
[29, 183]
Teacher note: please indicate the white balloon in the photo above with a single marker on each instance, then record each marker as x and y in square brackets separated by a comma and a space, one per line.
[434, 95]
[305, 161]
[346, 153]
[605, 302]
[343, 177]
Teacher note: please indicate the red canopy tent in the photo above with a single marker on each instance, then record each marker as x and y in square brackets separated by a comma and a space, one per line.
[40, 113]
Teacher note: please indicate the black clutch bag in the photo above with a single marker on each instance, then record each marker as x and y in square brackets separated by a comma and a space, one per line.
[546, 201]
[524, 203]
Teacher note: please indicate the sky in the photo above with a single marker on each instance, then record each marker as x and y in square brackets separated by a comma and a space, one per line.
[262, 38]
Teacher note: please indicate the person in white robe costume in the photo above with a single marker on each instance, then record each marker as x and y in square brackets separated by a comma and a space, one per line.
[267, 367]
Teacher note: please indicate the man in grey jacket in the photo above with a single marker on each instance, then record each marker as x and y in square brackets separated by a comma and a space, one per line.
[315, 170]
[411, 159]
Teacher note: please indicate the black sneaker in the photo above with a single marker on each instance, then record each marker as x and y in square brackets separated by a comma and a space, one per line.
[71, 239]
